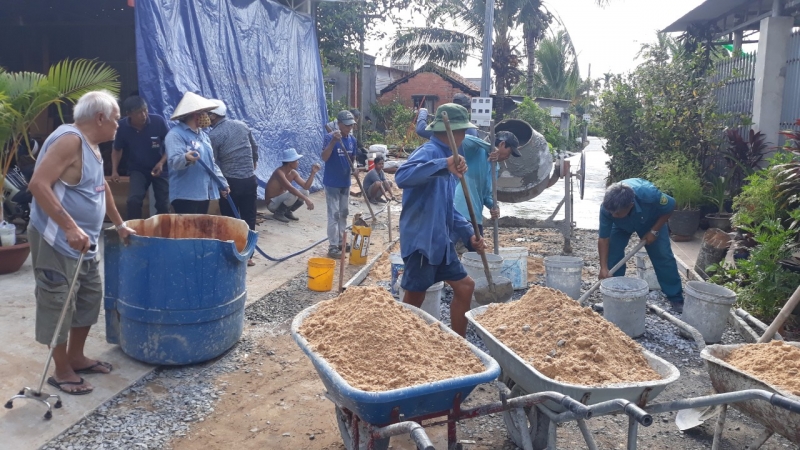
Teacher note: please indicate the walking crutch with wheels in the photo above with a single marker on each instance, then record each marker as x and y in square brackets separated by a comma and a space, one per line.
[37, 394]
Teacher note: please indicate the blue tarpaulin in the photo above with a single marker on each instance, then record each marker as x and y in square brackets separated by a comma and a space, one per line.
[259, 57]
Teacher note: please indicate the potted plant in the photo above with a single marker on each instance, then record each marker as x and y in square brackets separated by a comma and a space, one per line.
[718, 194]
[23, 97]
[678, 176]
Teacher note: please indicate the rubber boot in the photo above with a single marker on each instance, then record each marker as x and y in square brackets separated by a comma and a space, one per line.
[280, 213]
[292, 208]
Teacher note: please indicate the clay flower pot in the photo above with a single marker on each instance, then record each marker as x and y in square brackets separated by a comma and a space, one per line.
[12, 258]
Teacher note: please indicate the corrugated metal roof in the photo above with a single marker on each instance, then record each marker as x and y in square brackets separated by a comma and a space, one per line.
[719, 10]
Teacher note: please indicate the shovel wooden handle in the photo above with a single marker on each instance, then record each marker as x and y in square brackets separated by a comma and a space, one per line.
[465, 188]
[495, 231]
[782, 316]
[616, 267]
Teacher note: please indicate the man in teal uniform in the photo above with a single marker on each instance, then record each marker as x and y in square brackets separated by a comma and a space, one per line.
[636, 205]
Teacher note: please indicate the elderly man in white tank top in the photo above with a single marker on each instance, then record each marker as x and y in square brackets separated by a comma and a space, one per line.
[70, 200]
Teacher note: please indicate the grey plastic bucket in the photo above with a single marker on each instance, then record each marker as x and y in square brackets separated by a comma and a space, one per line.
[564, 273]
[706, 307]
[625, 303]
[473, 264]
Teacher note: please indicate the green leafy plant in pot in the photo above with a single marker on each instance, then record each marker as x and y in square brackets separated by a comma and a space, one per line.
[678, 176]
[26, 95]
[718, 193]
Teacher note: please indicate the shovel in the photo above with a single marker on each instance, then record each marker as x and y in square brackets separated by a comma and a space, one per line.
[486, 290]
[585, 296]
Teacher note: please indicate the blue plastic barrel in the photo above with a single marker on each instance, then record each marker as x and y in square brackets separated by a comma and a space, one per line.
[176, 293]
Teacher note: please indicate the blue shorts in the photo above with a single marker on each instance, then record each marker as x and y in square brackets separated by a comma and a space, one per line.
[419, 275]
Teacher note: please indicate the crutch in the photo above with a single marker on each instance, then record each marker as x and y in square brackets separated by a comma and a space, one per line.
[37, 394]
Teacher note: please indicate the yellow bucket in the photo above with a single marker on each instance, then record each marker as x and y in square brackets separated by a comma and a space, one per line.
[320, 274]
[360, 247]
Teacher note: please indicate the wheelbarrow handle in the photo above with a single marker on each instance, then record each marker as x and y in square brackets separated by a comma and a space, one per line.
[785, 403]
[579, 409]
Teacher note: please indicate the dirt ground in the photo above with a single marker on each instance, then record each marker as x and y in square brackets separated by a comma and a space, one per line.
[274, 399]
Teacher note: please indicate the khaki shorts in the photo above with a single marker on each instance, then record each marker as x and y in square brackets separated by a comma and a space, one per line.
[53, 273]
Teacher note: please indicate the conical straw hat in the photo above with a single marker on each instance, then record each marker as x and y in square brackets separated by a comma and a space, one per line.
[192, 103]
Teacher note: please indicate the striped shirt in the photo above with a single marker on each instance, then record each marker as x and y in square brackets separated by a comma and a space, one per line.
[234, 148]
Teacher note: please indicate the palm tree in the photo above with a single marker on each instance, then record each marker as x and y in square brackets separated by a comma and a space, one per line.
[558, 75]
[451, 47]
[25, 95]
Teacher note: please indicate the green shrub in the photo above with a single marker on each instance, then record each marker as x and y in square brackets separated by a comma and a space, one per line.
[679, 177]
[539, 119]
[759, 199]
[760, 282]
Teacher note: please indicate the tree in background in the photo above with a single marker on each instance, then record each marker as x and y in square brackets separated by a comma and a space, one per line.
[663, 106]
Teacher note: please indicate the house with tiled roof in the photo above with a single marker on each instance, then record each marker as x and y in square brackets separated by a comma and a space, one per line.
[429, 86]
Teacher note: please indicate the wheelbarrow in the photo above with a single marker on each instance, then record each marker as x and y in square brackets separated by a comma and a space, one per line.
[522, 378]
[727, 378]
[369, 419]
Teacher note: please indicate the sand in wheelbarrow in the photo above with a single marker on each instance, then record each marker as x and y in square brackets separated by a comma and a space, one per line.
[565, 342]
[776, 363]
[377, 345]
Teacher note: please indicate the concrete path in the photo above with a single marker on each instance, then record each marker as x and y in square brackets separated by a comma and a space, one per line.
[22, 359]
[586, 211]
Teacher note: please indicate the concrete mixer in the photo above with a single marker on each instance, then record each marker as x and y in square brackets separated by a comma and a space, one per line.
[521, 179]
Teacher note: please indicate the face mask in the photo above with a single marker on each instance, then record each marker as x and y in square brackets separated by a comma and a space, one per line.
[203, 121]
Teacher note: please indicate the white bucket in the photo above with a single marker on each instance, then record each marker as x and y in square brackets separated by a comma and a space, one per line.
[515, 266]
[474, 266]
[625, 303]
[398, 266]
[8, 234]
[564, 273]
[645, 270]
[706, 307]
[433, 298]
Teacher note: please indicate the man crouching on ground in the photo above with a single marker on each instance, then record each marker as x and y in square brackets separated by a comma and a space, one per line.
[282, 197]
[430, 224]
[70, 199]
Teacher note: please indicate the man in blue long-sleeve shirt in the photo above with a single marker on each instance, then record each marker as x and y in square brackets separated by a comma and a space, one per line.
[430, 224]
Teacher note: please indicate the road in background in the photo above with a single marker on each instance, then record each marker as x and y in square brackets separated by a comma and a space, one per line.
[587, 211]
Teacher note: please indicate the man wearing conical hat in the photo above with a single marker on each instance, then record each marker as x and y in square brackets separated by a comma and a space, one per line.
[191, 187]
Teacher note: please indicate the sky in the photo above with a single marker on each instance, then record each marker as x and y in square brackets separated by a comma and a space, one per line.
[607, 37]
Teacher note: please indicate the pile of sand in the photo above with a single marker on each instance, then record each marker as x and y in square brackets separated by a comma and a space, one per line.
[377, 345]
[776, 363]
[565, 342]
[382, 270]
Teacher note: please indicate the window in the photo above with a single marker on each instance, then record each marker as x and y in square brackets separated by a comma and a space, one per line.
[425, 101]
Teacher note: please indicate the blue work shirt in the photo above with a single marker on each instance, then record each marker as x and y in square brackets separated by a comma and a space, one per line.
[143, 148]
[337, 168]
[648, 205]
[190, 180]
[429, 222]
[422, 123]
[479, 178]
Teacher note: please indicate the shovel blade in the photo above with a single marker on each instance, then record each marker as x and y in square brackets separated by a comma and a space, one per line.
[499, 292]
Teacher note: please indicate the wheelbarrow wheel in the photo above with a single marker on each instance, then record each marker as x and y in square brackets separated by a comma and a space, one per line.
[344, 420]
[536, 426]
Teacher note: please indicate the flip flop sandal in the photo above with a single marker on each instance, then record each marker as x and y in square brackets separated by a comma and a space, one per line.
[93, 368]
[53, 382]
[250, 263]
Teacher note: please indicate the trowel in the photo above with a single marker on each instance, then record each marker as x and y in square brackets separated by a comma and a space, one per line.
[486, 290]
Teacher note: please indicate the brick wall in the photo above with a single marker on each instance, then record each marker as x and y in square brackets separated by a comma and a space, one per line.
[425, 83]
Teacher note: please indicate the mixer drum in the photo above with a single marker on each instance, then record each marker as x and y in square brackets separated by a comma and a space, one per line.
[521, 179]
